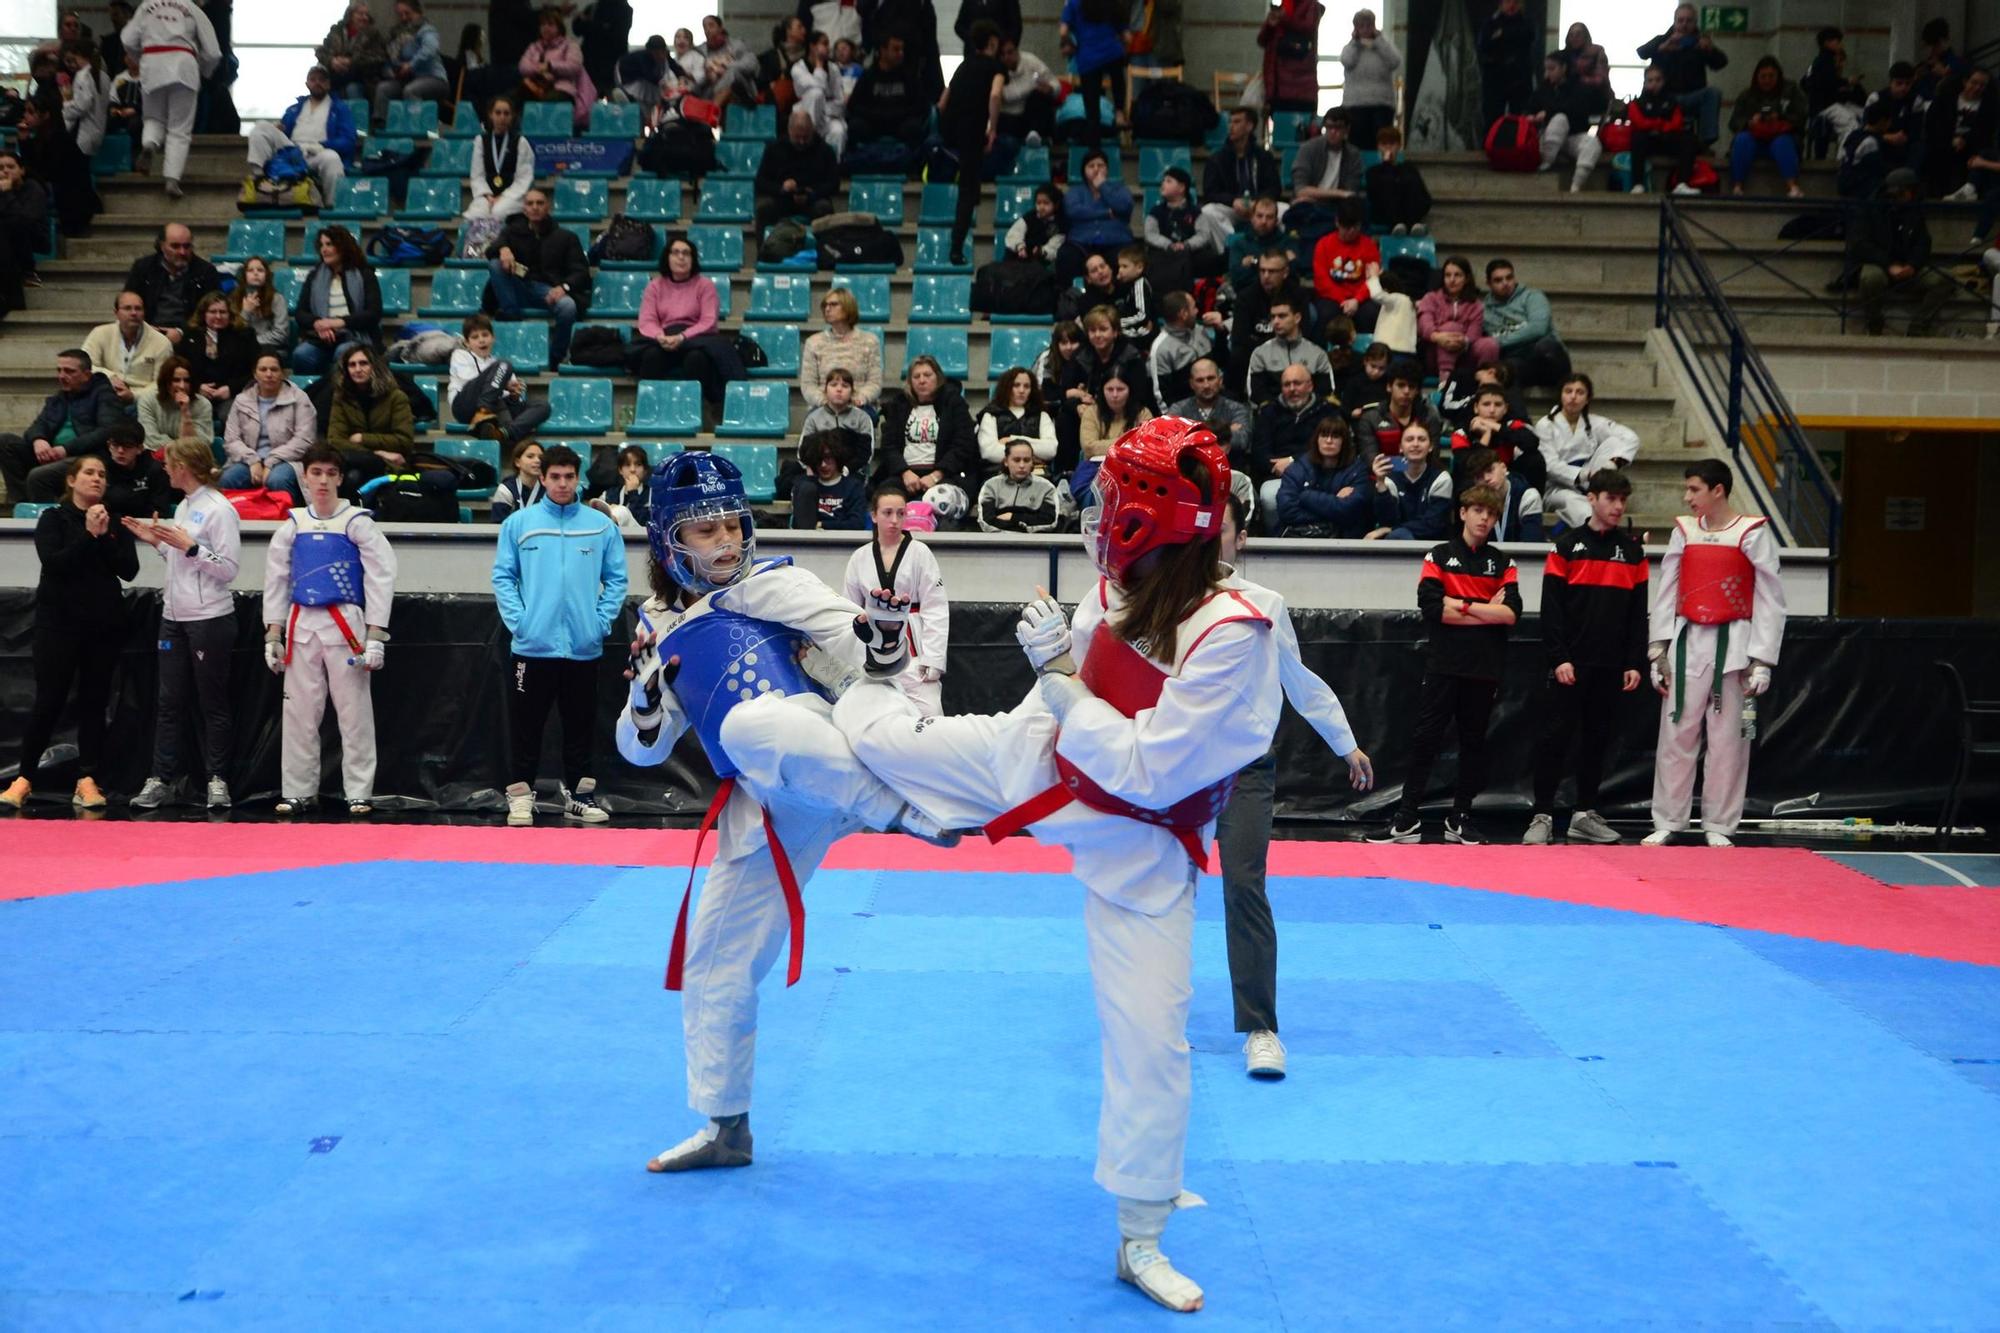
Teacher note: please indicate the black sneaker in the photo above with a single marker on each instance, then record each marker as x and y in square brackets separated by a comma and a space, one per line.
[1461, 829]
[1398, 832]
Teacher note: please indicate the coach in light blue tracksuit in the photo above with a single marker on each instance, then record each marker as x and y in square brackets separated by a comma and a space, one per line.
[559, 578]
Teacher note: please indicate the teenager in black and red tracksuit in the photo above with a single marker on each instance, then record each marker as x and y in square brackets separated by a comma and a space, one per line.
[1594, 608]
[1469, 594]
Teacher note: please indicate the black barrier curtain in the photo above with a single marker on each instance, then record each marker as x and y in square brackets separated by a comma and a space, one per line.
[1857, 724]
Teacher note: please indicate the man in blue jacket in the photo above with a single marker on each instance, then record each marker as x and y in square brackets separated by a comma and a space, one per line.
[559, 578]
[318, 126]
[76, 419]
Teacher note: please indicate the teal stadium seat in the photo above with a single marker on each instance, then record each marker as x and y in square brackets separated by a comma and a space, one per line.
[613, 120]
[433, 199]
[722, 293]
[361, 113]
[934, 252]
[30, 510]
[781, 350]
[720, 246]
[114, 157]
[434, 392]
[580, 230]
[525, 343]
[1285, 126]
[724, 200]
[941, 300]
[947, 345]
[359, 199]
[667, 407]
[288, 281]
[409, 116]
[252, 236]
[759, 465]
[449, 157]
[579, 407]
[464, 121]
[653, 200]
[1031, 166]
[939, 207]
[456, 292]
[617, 292]
[781, 298]
[1153, 163]
[581, 200]
[308, 251]
[1011, 347]
[395, 285]
[1011, 201]
[883, 198]
[1409, 247]
[737, 161]
[761, 408]
[871, 294]
[548, 120]
[485, 451]
[759, 124]
[657, 451]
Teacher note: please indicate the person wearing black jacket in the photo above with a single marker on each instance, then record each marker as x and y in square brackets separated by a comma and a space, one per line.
[76, 419]
[1594, 608]
[220, 352]
[1250, 313]
[1281, 432]
[1506, 64]
[172, 279]
[605, 31]
[136, 482]
[49, 152]
[24, 228]
[79, 623]
[929, 444]
[799, 175]
[892, 99]
[917, 23]
[1469, 593]
[323, 333]
[537, 264]
[1397, 196]
[969, 122]
[1960, 125]
[1685, 55]
[1239, 173]
[1889, 247]
[1002, 14]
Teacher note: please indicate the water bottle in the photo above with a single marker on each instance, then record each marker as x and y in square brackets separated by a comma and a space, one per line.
[1749, 730]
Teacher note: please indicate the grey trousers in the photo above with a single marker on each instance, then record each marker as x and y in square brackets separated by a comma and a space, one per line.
[1243, 833]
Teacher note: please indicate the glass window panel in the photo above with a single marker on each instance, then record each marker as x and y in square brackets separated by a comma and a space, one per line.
[33, 18]
[285, 22]
[663, 16]
[269, 79]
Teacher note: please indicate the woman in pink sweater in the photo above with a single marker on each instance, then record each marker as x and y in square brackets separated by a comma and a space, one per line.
[552, 69]
[1451, 322]
[679, 309]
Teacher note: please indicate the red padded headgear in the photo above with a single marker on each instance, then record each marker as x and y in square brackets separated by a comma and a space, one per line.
[1143, 501]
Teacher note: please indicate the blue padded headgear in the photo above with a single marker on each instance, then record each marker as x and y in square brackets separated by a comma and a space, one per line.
[694, 485]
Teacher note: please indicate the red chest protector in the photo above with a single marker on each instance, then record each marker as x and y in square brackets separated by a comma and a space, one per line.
[1717, 581]
[1131, 682]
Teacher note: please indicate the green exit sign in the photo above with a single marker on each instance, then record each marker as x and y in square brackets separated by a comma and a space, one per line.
[1725, 18]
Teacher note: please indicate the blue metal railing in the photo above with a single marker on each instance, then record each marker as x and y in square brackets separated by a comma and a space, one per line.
[1772, 457]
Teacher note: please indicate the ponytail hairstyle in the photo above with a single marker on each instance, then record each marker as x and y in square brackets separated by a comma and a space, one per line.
[1589, 397]
[1166, 585]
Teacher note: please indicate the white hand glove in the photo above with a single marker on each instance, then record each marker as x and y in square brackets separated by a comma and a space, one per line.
[1756, 680]
[884, 632]
[1043, 634]
[650, 679]
[372, 656]
[274, 656]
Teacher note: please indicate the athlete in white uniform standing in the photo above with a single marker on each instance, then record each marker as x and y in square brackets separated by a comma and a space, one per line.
[719, 654]
[177, 49]
[1718, 620]
[1123, 753]
[895, 560]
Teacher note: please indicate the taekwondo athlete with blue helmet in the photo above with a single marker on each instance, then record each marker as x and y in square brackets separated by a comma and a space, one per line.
[747, 654]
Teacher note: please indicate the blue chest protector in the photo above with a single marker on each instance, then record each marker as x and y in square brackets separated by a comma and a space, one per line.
[728, 658]
[326, 566]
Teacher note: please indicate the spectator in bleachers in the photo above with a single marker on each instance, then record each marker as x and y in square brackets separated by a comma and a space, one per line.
[1328, 491]
[1098, 211]
[1382, 423]
[1519, 518]
[928, 441]
[640, 75]
[1522, 324]
[1589, 66]
[537, 263]
[1037, 235]
[628, 500]
[1889, 247]
[268, 431]
[888, 112]
[817, 84]
[319, 125]
[1864, 158]
[1397, 196]
[1238, 177]
[260, 307]
[87, 105]
[1563, 112]
[1576, 446]
[1326, 171]
[111, 46]
[50, 155]
[1767, 120]
[605, 30]
[170, 409]
[842, 345]
[836, 411]
[1396, 325]
[1506, 45]
[917, 21]
[1287, 346]
[1826, 82]
[138, 481]
[484, 392]
[1941, 64]
[1092, 33]
[1017, 500]
[24, 225]
[416, 64]
[1660, 129]
[1014, 415]
[1116, 407]
[219, 350]
[1247, 246]
[1685, 55]
[128, 349]
[339, 303]
[1344, 261]
[1456, 395]
[1282, 432]
[969, 123]
[1418, 491]
[1961, 124]
[1205, 402]
[1178, 345]
[1003, 14]
[1451, 321]
[1368, 92]
[678, 313]
[1105, 352]
[371, 422]
[354, 53]
[1289, 36]
[789, 39]
[687, 59]
[1028, 101]
[178, 50]
[502, 169]
[847, 56]
[1185, 240]
[1902, 137]
[828, 495]
[799, 176]
[1511, 439]
[1364, 380]
[1060, 370]
[76, 419]
[1134, 295]
[172, 280]
[524, 486]
[552, 69]
[729, 68]
[1100, 287]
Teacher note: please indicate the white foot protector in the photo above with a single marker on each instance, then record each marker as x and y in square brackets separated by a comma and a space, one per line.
[922, 827]
[1657, 838]
[709, 1146]
[1141, 1264]
[1715, 839]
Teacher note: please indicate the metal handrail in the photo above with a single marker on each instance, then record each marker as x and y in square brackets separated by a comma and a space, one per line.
[1773, 458]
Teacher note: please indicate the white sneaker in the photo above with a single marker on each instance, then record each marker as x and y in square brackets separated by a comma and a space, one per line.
[1589, 826]
[1715, 839]
[581, 804]
[1637, 189]
[1657, 838]
[1685, 189]
[520, 805]
[218, 794]
[1964, 194]
[1034, 139]
[152, 796]
[1141, 1263]
[1541, 831]
[1264, 1056]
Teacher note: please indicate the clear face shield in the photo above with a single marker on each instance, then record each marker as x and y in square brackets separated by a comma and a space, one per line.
[714, 564]
[1091, 522]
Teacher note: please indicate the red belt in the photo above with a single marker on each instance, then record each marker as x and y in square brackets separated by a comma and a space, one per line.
[1045, 803]
[795, 905]
[338, 619]
[163, 50]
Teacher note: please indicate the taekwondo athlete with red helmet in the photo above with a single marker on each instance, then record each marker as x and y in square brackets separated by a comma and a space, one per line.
[743, 652]
[1718, 620]
[1123, 753]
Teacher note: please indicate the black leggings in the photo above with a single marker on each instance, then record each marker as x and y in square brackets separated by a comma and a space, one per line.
[83, 654]
[1090, 84]
[1447, 700]
[194, 667]
[1588, 709]
[683, 363]
[542, 683]
[1647, 145]
[971, 161]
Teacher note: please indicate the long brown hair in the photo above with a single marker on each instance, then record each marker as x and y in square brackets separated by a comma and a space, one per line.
[263, 302]
[1168, 584]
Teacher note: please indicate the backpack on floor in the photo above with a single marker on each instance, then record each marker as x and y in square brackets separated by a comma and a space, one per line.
[1169, 109]
[1015, 287]
[1514, 144]
[679, 148]
[625, 239]
[261, 192]
[403, 246]
[859, 244]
